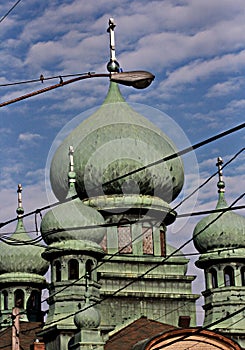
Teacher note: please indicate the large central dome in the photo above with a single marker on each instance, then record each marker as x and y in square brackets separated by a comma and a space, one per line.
[112, 142]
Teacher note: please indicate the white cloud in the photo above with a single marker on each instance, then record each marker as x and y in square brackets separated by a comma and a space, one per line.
[201, 69]
[226, 87]
[29, 137]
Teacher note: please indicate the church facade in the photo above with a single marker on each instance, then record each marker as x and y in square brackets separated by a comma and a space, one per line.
[110, 263]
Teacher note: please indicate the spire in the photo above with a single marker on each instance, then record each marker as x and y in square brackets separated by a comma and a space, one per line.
[113, 66]
[19, 210]
[71, 174]
[220, 184]
[71, 153]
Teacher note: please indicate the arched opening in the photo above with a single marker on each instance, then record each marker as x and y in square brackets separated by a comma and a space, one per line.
[147, 240]
[5, 300]
[33, 307]
[213, 278]
[229, 276]
[163, 243]
[124, 237]
[57, 267]
[19, 298]
[243, 275]
[73, 269]
[89, 267]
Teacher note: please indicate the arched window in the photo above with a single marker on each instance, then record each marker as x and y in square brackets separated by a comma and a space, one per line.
[163, 243]
[243, 275]
[33, 307]
[213, 278]
[57, 267]
[124, 237]
[5, 300]
[73, 269]
[89, 267]
[147, 240]
[19, 298]
[229, 276]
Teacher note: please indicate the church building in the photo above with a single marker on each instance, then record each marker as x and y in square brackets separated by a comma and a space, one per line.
[114, 279]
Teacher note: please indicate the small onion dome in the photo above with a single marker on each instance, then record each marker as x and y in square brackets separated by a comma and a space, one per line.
[114, 141]
[220, 230]
[72, 220]
[88, 317]
[21, 255]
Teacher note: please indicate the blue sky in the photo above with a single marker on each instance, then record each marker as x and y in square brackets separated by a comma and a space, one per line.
[196, 49]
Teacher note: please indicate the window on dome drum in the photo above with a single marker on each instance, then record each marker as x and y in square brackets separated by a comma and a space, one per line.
[229, 276]
[19, 298]
[103, 243]
[243, 275]
[163, 243]
[124, 237]
[147, 240]
[89, 267]
[5, 300]
[73, 269]
[213, 278]
[57, 267]
[33, 307]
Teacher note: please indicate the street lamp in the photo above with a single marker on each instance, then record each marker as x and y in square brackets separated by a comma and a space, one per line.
[137, 79]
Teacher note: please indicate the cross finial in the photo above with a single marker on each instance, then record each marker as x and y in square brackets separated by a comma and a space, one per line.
[20, 209]
[71, 153]
[71, 172]
[113, 66]
[19, 191]
[220, 184]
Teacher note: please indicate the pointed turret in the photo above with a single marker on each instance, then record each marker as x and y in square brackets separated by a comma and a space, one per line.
[73, 232]
[220, 238]
[21, 272]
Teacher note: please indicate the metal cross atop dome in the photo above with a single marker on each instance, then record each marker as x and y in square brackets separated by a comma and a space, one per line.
[220, 184]
[20, 209]
[71, 152]
[113, 66]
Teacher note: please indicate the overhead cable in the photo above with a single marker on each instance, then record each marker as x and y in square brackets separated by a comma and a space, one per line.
[164, 159]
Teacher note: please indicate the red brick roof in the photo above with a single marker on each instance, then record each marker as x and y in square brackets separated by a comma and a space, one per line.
[28, 332]
[138, 330]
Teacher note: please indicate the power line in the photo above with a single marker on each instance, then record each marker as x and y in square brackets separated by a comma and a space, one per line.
[167, 313]
[208, 179]
[5, 238]
[143, 274]
[52, 87]
[44, 79]
[199, 330]
[10, 10]
[164, 159]
[150, 269]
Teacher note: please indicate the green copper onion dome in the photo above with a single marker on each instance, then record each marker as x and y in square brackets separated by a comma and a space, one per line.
[220, 230]
[72, 220]
[18, 254]
[115, 141]
[88, 316]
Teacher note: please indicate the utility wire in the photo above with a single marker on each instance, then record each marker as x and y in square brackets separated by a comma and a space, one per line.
[52, 87]
[208, 179]
[164, 159]
[44, 79]
[10, 10]
[167, 313]
[149, 270]
[5, 238]
[199, 330]
[179, 204]
[139, 277]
